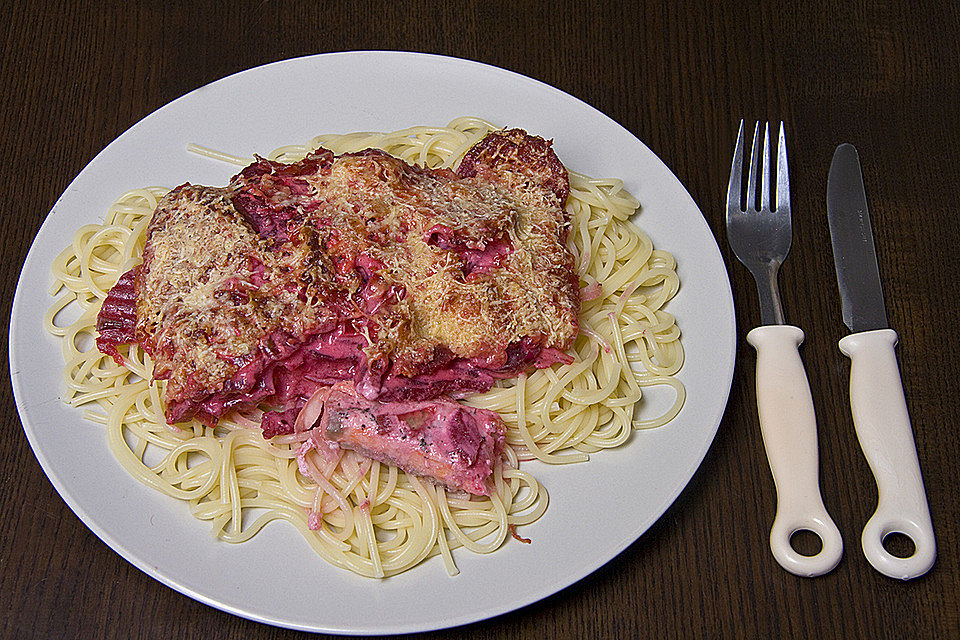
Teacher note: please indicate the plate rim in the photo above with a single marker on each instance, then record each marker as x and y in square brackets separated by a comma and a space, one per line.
[90, 521]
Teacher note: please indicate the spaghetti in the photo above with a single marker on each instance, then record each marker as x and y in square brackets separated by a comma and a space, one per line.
[358, 514]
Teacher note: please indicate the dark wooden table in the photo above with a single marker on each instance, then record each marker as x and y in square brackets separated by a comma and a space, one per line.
[679, 75]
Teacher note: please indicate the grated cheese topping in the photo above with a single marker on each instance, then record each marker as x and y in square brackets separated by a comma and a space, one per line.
[424, 263]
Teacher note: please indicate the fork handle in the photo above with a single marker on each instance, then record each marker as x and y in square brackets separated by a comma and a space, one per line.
[789, 428]
[883, 427]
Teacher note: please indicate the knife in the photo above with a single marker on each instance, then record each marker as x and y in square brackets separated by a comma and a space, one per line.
[876, 392]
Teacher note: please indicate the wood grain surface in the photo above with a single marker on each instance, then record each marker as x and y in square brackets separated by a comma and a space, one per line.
[679, 75]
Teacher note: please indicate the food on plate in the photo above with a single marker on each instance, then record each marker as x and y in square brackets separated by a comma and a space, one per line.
[347, 318]
[413, 283]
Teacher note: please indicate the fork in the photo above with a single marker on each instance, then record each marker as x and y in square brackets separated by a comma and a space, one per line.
[761, 238]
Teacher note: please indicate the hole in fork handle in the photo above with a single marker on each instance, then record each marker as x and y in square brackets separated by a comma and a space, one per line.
[806, 542]
[789, 538]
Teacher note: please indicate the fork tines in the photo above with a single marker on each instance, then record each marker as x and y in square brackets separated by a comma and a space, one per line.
[782, 196]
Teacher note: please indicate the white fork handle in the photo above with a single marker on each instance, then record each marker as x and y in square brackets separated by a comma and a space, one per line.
[789, 428]
[883, 428]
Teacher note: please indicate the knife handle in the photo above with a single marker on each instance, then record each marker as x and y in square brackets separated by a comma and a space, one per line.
[789, 428]
[883, 427]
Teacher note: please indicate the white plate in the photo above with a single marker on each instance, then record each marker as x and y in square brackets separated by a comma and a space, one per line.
[596, 509]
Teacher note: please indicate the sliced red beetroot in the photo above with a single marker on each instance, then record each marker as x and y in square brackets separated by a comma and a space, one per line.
[117, 320]
[513, 154]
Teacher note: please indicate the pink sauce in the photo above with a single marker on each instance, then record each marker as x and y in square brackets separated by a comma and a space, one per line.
[456, 445]
[409, 421]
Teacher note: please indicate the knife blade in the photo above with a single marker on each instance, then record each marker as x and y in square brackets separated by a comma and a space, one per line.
[877, 401]
[854, 254]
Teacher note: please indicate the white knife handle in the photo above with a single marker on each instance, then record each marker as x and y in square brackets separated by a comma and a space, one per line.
[789, 428]
[883, 428]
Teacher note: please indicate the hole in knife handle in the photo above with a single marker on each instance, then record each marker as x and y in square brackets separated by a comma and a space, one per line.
[899, 544]
[806, 542]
